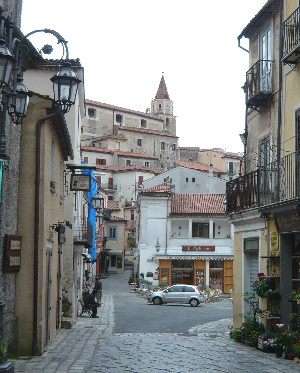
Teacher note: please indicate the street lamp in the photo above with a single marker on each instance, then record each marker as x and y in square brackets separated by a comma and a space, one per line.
[14, 94]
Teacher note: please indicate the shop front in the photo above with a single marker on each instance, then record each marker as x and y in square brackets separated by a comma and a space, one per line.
[212, 272]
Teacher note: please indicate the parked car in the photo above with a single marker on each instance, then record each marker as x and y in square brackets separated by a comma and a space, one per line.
[186, 294]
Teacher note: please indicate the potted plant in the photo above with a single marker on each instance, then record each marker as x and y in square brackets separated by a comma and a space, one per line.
[3, 354]
[261, 286]
[294, 296]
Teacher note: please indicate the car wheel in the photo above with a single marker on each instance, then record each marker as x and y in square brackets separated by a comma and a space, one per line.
[157, 301]
[194, 302]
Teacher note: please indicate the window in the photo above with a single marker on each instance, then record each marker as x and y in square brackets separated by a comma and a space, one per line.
[101, 161]
[139, 142]
[98, 178]
[86, 159]
[117, 145]
[266, 56]
[119, 118]
[92, 113]
[167, 122]
[110, 198]
[175, 289]
[173, 147]
[200, 230]
[159, 106]
[230, 167]
[188, 289]
[186, 179]
[131, 214]
[143, 123]
[141, 179]
[113, 233]
[193, 179]
[147, 164]
[128, 162]
[110, 182]
[163, 146]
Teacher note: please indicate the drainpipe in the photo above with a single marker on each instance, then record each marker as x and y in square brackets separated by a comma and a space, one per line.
[279, 100]
[39, 124]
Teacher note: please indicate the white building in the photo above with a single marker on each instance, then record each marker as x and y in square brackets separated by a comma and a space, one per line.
[184, 238]
[189, 181]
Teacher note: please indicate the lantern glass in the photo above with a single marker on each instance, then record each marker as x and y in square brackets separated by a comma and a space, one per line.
[65, 86]
[19, 102]
[6, 64]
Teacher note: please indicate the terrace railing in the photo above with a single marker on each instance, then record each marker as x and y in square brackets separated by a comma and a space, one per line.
[276, 182]
[259, 82]
[291, 36]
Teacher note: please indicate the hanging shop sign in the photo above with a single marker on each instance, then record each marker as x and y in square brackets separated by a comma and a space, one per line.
[198, 248]
[12, 253]
[80, 182]
[288, 221]
[274, 243]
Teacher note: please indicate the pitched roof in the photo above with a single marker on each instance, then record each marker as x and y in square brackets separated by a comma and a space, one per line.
[121, 109]
[198, 204]
[145, 130]
[162, 92]
[189, 148]
[128, 169]
[113, 205]
[164, 187]
[197, 166]
[135, 155]
[117, 219]
[96, 149]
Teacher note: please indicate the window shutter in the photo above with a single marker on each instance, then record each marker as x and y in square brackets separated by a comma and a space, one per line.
[86, 159]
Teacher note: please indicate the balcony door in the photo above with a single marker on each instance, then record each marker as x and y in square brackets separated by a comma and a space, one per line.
[266, 55]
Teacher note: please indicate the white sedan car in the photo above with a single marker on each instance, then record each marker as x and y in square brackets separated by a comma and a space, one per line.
[185, 294]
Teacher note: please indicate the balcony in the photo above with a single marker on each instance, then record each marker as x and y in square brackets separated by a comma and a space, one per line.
[275, 183]
[259, 83]
[291, 38]
[84, 235]
[108, 186]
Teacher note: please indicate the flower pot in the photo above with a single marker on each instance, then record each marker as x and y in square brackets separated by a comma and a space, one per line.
[290, 356]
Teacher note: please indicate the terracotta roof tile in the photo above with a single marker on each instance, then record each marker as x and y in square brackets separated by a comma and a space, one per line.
[135, 155]
[96, 149]
[197, 166]
[164, 187]
[124, 110]
[113, 205]
[200, 204]
[145, 130]
[116, 219]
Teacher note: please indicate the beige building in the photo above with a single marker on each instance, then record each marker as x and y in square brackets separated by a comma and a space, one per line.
[264, 204]
[119, 129]
[46, 144]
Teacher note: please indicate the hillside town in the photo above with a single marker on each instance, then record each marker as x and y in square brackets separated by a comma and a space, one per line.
[103, 216]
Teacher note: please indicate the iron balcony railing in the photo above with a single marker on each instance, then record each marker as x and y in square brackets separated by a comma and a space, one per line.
[109, 186]
[274, 183]
[84, 235]
[291, 36]
[259, 80]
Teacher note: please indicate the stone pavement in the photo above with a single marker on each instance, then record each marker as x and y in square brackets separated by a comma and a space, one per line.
[91, 346]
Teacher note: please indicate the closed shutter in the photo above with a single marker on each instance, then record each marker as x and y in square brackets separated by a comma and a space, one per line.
[86, 159]
[253, 261]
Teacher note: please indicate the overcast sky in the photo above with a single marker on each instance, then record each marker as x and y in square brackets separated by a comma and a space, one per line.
[125, 45]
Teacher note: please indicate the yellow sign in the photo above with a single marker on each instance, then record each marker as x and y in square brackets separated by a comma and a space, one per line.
[274, 242]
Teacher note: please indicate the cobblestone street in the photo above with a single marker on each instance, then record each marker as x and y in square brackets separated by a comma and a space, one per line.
[92, 346]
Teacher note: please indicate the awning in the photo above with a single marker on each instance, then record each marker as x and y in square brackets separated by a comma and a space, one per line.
[196, 257]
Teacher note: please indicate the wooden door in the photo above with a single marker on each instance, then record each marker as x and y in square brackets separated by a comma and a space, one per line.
[228, 275]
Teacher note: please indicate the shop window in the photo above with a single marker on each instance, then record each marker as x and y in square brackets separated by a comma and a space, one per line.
[200, 230]
[181, 263]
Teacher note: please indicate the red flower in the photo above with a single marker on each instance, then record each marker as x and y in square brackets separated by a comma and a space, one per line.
[245, 324]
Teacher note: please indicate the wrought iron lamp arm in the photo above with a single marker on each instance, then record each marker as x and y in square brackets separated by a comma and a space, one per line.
[60, 39]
